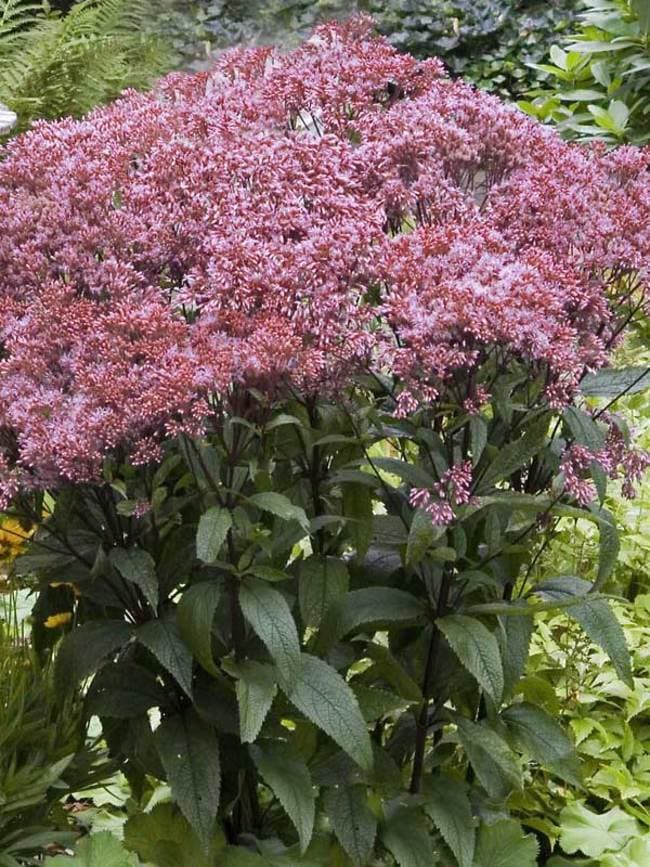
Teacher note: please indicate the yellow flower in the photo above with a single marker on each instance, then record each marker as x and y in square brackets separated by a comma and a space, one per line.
[55, 620]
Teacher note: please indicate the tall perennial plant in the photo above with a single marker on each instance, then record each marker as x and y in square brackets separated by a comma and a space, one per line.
[301, 362]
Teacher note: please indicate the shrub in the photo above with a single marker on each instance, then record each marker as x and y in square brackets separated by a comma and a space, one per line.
[600, 83]
[294, 360]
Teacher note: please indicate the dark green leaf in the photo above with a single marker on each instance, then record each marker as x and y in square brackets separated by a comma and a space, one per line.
[323, 580]
[448, 807]
[422, 535]
[609, 547]
[124, 690]
[406, 837]
[610, 382]
[353, 822]
[256, 688]
[190, 755]
[321, 694]
[269, 614]
[494, 763]
[278, 504]
[594, 616]
[584, 428]
[211, 534]
[543, 739]
[288, 778]
[478, 431]
[161, 637]
[504, 844]
[515, 641]
[83, 649]
[195, 614]
[514, 456]
[139, 568]
[477, 649]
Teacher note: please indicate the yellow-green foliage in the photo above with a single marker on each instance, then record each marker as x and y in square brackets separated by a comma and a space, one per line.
[53, 65]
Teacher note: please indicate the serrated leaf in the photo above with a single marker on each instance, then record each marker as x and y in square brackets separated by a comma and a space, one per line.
[322, 581]
[393, 671]
[494, 763]
[256, 689]
[594, 616]
[376, 703]
[477, 649]
[281, 506]
[504, 844]
[139, 568]
[321, 694]
[189, 752]
[448, 807]
[478, 436]
[352, 820]
[83, 649]
[166, 830]
[515, 637]
[422, 535]
[357, 508]
[124, 690]
[374, 606]
[269, 614]
[608, 549]
[195, 614]
[406, 837]
[161, 637]
[406, 471]
[97, 850]
[514, 456]
[584, 428]
[211, 533]
[290, 781]
[612, 382]
[543, 739]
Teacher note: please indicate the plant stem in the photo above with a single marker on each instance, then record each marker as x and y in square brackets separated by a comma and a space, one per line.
[422, 725]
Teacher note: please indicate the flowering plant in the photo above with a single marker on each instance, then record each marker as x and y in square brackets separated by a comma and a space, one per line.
[302, 359]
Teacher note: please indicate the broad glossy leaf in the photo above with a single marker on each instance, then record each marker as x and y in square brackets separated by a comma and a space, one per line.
[448, 807]
[352, 820]
[195, 614]
[212, 532]
[269, 614]
[323, 696]
[139, 568]
[189, 752]
[162, 638]
[477, 649]
[289, 779]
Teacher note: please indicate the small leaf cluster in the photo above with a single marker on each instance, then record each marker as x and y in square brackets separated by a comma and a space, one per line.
[597, 85]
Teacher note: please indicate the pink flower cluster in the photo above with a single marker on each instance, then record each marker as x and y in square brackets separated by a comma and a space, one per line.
[287, 220]
[453, 489]
[616, 459]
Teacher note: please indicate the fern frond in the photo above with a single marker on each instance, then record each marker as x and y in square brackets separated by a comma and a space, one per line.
[55, 65]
